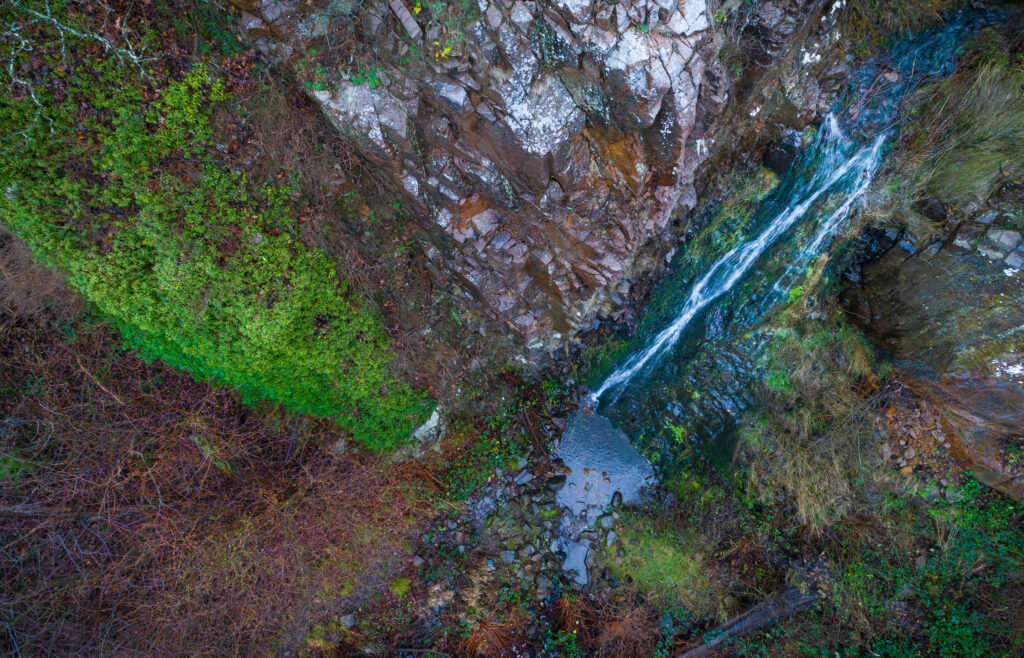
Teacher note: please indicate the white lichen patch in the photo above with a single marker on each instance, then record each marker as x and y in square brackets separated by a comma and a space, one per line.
[542, 115]
[1010, 370]
[809, 57]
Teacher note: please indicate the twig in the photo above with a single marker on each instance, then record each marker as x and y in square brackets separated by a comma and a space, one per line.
[98, 383]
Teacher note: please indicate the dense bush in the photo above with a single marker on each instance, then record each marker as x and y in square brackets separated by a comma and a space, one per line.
[124, 194]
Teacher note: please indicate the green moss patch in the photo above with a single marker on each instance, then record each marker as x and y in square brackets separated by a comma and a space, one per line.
[118, 185]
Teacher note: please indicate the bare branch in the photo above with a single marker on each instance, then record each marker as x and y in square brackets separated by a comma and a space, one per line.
[127, 53]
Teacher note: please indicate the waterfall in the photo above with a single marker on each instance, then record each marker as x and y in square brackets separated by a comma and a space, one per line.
[832, 168]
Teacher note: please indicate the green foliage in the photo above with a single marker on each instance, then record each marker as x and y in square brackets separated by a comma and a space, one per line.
[368, 75]
[400, 587]
[974, 547]
[125, 197]
[495, 446]
[209, 23]
[563, 643]
[665, 564]
[12, 468]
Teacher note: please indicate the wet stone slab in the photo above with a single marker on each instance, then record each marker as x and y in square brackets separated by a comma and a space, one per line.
[604, 470]
[602, 461]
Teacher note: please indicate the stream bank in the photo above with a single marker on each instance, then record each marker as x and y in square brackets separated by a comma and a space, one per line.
[839, 449]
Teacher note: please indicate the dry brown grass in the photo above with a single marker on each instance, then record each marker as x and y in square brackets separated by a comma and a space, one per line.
[491, 638]
[628, 629]
[814, 437]
[863, 17]
[154, 514]
[27, 288]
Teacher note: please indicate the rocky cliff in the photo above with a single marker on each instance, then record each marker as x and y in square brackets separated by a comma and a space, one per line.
[544, 146]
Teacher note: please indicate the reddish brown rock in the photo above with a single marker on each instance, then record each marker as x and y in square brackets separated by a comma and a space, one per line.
[545, 152]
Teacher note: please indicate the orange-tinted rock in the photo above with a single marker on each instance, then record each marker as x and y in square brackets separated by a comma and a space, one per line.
[545, 159]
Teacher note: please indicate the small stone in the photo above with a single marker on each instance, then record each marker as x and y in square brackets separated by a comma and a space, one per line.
[906, 471]
[523, 478]
[348, 621]
[462, 548]
[521, 463]
[617, 499]
[493, 16]
[508, 556]
[555, 483]
[1003, 240]
[520, 14]
[1016, 259]
[611, 539]
[490, 565]
[418, 561]
[605, 521]
[909, 453]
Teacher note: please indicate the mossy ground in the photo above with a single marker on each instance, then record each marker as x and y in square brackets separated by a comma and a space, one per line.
[116, 182]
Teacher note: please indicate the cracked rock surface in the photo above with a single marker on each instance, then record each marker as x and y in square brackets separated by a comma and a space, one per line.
[544, 152]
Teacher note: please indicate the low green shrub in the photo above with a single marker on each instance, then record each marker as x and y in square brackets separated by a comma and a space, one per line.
[126, 197]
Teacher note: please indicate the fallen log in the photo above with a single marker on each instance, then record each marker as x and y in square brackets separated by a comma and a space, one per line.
[784, 604]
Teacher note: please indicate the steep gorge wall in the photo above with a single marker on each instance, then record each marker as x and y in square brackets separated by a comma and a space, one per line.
[547, 148]
[545, 151]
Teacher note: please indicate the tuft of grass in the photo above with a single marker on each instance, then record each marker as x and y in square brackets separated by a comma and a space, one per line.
[969, 135]
[813, 437]
[862, 19]
[961, 136]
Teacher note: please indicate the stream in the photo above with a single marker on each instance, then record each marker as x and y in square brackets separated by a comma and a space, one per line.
[689, 380]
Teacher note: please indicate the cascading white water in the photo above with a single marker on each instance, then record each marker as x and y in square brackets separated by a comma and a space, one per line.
[729, 269]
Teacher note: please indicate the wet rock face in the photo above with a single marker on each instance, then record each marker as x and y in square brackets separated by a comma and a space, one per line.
[952, 312]
[545, 152]
[952, 305]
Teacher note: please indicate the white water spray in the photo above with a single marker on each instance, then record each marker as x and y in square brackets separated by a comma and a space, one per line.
[731, 267]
